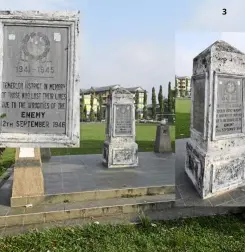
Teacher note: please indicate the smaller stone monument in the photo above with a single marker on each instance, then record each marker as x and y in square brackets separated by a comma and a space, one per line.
[163, 140]
[45, 154]
[120, 149]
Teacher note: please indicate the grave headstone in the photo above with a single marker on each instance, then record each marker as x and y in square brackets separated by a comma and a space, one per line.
[215, 160]
[163, 140]
[120, 149]
[39, 89]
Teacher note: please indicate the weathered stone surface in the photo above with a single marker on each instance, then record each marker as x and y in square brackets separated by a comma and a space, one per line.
[215, 154]
[163, 140]
[120, 149]
[28, 177]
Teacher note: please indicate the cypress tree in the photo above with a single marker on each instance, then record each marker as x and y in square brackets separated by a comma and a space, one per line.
[100, 108]
[85, 112]
[91, 115]
[136, 98]
[170, 98]
[154, 105]
[145, 105]
[82, 103]
[160, 102]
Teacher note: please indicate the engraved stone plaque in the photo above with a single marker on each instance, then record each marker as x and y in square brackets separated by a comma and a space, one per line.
[34, 81]
[231, 172]
[123, 156]
[198, 104]
[123, 119]
[229, 106]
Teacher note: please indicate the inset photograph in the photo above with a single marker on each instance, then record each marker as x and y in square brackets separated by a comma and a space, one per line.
[89, 140]
[210, 130]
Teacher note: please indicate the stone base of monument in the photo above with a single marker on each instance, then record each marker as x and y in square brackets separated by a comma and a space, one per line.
[215, 172]
[45, 153]
[28, 177]
[123, 155]
[163, 140]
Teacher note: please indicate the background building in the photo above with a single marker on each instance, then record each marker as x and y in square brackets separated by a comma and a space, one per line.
[183, 86]
[104, 92]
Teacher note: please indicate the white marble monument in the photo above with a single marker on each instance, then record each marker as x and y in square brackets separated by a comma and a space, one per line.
[215, 160]
[120, 149]
[39, 86]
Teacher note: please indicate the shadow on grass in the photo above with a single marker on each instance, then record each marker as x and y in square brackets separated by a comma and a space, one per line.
[96, 147]
[182, 125]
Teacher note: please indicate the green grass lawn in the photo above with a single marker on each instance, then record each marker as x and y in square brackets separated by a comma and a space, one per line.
[91, 142]
[204, 234]
[93, 136]
[183, 110]
[7, 159]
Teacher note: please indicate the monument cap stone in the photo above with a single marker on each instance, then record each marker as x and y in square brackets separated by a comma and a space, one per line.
[163, 122]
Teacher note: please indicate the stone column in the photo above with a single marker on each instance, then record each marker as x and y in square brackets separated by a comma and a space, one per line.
[163, 140]
[45, 154]
[28, 177]
[120, 149]
[215, 160]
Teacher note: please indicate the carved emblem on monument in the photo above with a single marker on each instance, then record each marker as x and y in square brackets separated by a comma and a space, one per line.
[122, 110]
[230, 88]
[229, 173]
[123, 156]
[35, 46]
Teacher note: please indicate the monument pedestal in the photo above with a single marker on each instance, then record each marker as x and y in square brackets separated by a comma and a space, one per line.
[45, 154]
[120, 155]
[28, 177]
[163, 140]
[120, 149]
[213, 173]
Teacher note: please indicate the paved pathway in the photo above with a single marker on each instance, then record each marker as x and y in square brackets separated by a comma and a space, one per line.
[77, 173]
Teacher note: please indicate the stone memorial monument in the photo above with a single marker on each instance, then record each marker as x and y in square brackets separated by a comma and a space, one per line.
[163, 140]
[39, 66]
[120, 149]
[215, 160]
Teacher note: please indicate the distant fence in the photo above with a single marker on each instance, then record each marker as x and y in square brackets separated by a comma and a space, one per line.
[170, 118]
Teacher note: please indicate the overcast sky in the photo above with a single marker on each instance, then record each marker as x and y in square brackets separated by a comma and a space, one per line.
[132, 42]
[190, 44]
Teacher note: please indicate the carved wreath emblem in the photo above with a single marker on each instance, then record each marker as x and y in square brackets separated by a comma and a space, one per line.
[123, 109]
[230, 87]
[36, 45]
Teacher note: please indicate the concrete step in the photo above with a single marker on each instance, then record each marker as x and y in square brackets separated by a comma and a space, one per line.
[119, 218]
[95, 195]
[46, 213]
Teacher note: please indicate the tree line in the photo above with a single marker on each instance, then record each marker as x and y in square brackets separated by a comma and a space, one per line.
[162, 103]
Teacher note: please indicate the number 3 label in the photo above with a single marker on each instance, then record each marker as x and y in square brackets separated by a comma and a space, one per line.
[224, 11]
